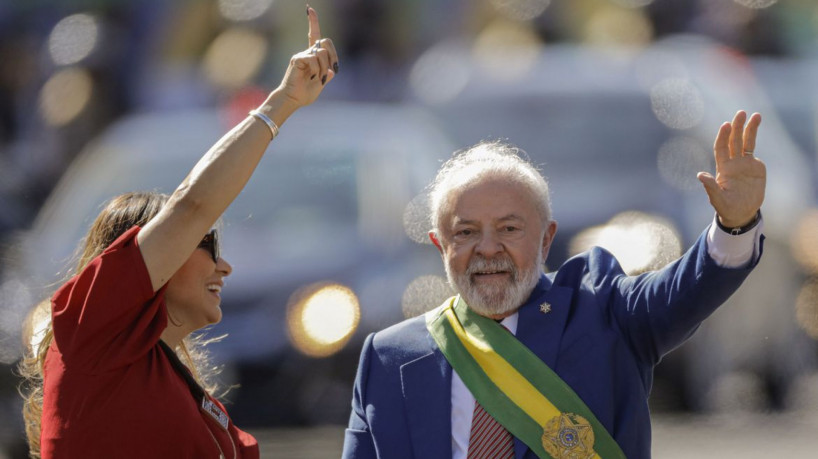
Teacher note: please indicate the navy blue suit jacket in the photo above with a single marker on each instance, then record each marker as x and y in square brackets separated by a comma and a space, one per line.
[605, 333]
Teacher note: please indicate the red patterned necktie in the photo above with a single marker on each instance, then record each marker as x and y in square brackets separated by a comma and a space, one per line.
[488, 439]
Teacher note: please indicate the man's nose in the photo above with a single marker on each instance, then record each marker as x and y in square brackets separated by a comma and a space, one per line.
[489, 244]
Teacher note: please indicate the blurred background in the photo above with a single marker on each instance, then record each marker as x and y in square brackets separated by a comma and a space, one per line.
[618, 101]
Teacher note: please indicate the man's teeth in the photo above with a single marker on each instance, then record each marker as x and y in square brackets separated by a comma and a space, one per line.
[214, 288]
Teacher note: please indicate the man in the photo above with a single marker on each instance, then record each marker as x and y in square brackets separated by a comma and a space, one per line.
[571, 373]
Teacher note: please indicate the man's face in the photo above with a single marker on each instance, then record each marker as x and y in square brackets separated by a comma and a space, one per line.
[493, 244]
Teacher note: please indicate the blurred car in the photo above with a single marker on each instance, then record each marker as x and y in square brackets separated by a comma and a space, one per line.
[317, 240]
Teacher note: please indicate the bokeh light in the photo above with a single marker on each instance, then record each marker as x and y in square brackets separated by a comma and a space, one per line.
[756, 4]
[322, 317]
[416, 219]
[424, 294]
[806, 308]
[506, 50]
[73, 39]
[235, 57]
[641, 242]
[618, 26]
[804, 242]
[65, 95]
[677, 103]
[680, 159]
[521, 10]
[440, 73]
[243, 10]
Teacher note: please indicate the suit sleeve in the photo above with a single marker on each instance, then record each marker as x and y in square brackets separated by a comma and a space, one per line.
[358, 441]
[657, 311]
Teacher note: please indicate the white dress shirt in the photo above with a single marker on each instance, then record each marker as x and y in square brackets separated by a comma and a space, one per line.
[725, 249]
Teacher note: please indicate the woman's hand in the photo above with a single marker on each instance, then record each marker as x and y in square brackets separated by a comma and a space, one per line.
[310, 70]
[168, 240]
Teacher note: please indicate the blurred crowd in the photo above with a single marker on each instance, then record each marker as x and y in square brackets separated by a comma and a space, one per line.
[71, 68]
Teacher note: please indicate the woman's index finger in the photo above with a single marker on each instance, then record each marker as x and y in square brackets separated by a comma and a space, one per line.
[314, 33]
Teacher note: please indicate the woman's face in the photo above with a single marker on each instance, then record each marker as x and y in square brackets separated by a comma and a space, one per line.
[193, 295]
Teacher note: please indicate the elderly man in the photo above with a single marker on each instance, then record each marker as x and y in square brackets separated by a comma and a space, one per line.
[527, 364]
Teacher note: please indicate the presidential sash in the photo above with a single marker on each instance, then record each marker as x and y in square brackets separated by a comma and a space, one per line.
[517, 388]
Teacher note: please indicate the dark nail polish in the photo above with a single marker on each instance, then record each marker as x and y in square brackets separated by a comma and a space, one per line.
[308, 10]
[335, 68]
[324, 79]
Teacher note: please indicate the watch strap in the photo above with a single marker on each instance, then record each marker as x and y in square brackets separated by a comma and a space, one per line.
[735, 231]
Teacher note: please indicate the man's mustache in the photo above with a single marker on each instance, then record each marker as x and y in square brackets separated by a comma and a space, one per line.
[485, 265]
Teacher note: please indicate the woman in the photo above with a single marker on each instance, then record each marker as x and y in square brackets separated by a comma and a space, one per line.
[105, 380]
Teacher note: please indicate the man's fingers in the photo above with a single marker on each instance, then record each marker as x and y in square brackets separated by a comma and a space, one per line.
[750, 132]
[707, 180]
[314, 33]
[721, 148]
[710, 186]
[737, 134]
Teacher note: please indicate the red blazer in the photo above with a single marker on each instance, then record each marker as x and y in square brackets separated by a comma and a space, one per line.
[109, 389]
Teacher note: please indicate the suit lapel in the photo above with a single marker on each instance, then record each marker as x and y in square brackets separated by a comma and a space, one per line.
[427, 388]
[542, 321]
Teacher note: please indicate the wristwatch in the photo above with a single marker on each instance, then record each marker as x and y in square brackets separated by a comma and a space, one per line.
[740, 229]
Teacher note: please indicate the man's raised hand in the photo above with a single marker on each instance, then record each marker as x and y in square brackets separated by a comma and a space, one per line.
[737, 190]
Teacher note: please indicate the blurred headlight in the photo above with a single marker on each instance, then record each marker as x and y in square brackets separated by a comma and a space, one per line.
[322, 317]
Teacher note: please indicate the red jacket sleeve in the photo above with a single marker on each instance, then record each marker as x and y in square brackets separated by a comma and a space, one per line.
[108, 315]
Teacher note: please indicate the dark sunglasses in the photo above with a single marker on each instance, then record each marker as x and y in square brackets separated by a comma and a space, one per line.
[211, 243]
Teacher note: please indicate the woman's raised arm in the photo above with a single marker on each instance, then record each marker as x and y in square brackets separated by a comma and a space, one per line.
[168, 240]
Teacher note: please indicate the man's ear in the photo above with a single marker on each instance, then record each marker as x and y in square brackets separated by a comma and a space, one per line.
[435, 241]
[548, 238]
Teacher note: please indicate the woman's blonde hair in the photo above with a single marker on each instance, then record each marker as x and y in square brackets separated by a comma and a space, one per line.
[120, 214]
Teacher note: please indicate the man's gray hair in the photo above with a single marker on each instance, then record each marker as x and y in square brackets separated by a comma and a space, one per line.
[487, 159]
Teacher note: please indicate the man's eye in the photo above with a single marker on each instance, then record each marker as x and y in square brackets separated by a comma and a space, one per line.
[510, 229]
[464, 232]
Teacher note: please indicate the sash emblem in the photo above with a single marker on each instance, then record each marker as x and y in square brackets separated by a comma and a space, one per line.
[569, 436]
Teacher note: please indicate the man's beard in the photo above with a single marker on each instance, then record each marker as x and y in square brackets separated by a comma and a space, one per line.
[495, 298]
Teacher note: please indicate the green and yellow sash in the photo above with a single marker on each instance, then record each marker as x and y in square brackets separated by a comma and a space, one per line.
[517, 388]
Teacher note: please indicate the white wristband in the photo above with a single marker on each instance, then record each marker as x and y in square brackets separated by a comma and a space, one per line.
[266, 120]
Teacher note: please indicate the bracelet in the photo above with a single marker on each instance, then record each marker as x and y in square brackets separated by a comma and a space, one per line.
[266, 120]
[740, 229]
